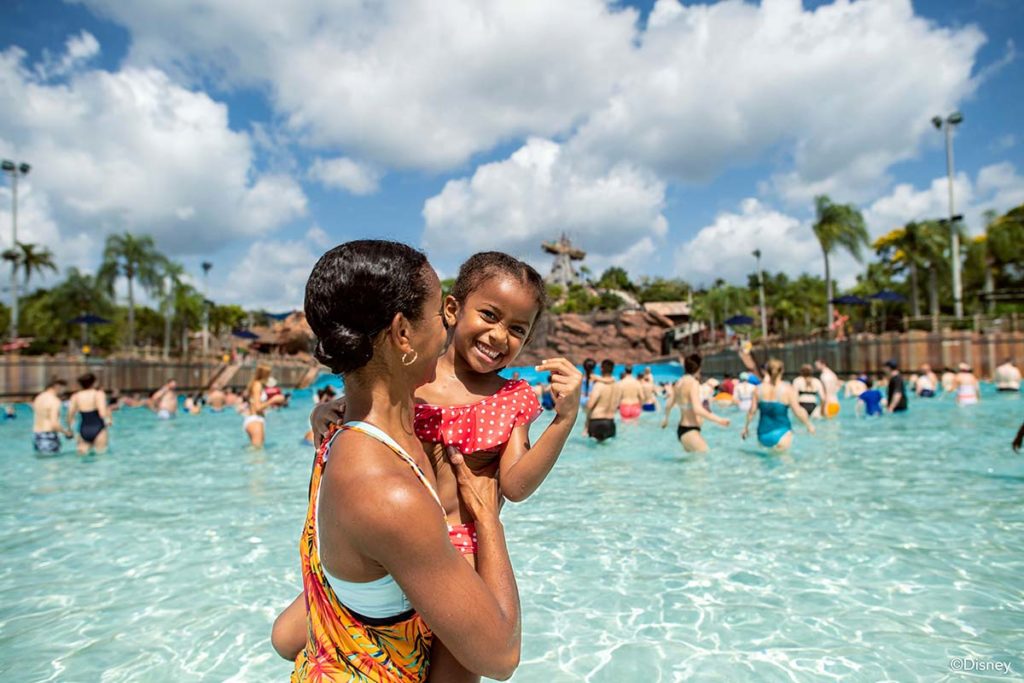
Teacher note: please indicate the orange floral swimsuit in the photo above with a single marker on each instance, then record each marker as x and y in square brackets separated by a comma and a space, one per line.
[344, 646]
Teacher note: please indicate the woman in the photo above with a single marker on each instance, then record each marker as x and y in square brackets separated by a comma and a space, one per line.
[380, 575]
[692, 409]
[966, 386]
[255, 422]
[773, 399]
[91, 404]
[810, 390]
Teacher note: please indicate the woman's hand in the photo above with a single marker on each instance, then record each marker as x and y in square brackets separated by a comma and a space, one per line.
[745, 433]
[479, 490]
[566, 384]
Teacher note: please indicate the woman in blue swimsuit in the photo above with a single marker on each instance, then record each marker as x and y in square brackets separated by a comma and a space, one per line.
[774, 399]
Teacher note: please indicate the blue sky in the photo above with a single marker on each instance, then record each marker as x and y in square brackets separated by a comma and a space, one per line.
[669, 139]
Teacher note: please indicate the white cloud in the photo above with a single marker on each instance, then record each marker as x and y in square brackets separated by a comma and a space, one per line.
[134, 151]
[346, 174]
[271, 275]
[318, 237]
[77, 51]
[540, 192]
[997, 187]
[407, 84]
[725, 248]
[846, 90]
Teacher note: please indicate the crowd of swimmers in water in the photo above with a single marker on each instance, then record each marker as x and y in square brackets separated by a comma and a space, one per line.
[405, 571]
[54, 410]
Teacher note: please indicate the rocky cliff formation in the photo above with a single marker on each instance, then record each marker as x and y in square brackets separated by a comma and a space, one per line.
[623, 336]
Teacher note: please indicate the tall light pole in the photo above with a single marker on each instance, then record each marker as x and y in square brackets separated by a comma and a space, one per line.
[760, 293]
[947, 125]
[206, 307]
[15, 169]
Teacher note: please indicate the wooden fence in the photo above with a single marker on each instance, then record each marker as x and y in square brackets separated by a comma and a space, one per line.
[866, 353]
[23, 377]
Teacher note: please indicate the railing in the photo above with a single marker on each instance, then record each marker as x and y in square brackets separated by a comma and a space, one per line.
[23, 377]
[983, 350]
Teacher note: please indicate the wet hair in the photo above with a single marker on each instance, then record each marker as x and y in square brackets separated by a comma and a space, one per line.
[588, 367]
[774, 367]
[692, 363]
[806, 371]
[607, 366]
[354, 292]
[485, 265]
[87, 380]
[628, 369]
[56, 382]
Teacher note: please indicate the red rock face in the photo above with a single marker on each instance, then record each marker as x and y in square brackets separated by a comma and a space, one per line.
[625, 337]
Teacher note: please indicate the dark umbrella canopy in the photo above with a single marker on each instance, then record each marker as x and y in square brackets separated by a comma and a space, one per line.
[245, 334]
[739, 320]
[279, 316]
[849, 300]
[888, 295]
[88, 319]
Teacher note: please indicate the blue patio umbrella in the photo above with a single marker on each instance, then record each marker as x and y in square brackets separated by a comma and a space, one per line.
[88, 319]
[888, 295]
[849, 300]
[279, 316]
[85, 320]
[739, 320]
[245, 334]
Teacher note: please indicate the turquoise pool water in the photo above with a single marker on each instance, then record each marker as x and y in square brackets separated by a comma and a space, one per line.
[875, 550]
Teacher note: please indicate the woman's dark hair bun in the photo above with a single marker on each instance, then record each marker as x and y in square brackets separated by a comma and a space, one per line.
[355, 291]
[342, 348]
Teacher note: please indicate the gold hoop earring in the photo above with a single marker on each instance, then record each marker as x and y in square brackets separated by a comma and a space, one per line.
[415, 355]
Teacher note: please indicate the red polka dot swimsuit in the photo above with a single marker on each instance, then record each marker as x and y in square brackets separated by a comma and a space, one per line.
[484, 426]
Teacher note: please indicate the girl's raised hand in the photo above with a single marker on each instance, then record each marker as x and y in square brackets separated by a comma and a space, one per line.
[566, 384]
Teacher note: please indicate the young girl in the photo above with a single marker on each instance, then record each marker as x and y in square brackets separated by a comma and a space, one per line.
[468, 408]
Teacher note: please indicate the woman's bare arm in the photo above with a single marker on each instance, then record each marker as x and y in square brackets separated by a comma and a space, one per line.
[697, 405]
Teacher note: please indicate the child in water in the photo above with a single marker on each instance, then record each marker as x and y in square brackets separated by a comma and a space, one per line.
[470, 413]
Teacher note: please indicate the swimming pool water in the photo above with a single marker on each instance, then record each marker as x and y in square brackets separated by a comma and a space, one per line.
[877, 550]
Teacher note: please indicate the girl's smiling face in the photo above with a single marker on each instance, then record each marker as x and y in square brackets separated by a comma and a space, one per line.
[493, 323]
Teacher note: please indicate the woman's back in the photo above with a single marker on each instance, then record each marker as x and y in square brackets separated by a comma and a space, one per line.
[87, 400]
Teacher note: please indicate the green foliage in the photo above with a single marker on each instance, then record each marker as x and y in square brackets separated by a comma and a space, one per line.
[446, 286]
[223, 319]
[555, 294]
[29, 258]
[662, 289]
[139, 261]
[578, 300]
[609, 301]
[616, 278]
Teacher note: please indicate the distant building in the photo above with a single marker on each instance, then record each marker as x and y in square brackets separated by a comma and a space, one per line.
[562, 272]
[676, 311]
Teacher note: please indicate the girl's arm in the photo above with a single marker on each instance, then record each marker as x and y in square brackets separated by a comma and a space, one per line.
[72, 411]
[104, 409]
[750, 416]
[522, 468]
[700, 411]
[288, 635]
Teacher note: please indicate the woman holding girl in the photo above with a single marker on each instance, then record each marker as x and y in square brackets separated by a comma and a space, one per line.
[774, 399]
[479, 420]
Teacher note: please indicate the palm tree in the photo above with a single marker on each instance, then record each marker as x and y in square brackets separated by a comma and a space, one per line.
[170, 282]
[906, 248]
[837, 225]
[137, 259]
[29, 258]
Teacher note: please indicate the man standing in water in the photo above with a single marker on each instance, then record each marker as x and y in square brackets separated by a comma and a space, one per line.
[602, 404]
[1007, 376]
[46, 427]
[897, 393]
[632, 395]
[164, 401]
